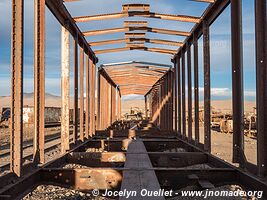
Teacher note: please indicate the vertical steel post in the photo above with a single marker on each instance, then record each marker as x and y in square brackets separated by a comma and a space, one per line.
[179, 94]
[146, 107]
[175, 97]
[82, 135]
[172, 111]
[87, 106]
[98, 100]
[196, 90]
[261, 68]
[183, 97]
[16, 131]
[76, 96]
[93, 98]
[237, 81]
[39, 81]
[65, 90]
[189, 84]
[91, 90]
[207, 107]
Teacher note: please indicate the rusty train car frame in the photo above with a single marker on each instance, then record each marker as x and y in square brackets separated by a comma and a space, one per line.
[166, 99]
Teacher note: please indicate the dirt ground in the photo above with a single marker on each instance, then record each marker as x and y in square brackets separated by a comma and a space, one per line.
[222, 147]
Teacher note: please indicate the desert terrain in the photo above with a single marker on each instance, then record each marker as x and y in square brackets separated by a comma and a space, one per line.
[221, 142]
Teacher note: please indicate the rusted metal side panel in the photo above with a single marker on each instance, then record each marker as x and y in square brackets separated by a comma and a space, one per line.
[16, 131]
[196, 90]
[82, 135]
[207, 109]
[261, 69]
[39, 81]
[87, 106]
[189, 85]
[75, 106]
[65, 90]
[237, 81]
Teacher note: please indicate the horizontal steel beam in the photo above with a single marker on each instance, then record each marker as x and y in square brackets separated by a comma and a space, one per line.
[142, 40]
[146, 14]
[136, 28]
[156, 50]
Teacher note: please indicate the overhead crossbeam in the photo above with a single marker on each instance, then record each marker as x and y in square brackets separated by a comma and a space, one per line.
[145, 14]
[155, 50]
[136, 28]
[141, 40]
[160, 65]
[205, 1]
[146, 67]
[135, 72]
[112, 73]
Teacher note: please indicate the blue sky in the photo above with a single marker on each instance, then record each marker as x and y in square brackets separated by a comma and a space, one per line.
[220, 42]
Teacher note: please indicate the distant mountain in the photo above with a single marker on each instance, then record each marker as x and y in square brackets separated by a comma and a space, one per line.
[31, 95]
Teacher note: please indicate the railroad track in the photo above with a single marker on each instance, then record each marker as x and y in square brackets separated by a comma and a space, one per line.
[50, 143]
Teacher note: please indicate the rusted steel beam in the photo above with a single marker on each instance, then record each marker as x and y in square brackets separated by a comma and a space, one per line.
[109, 102]
[189, 85]
[143, 40]
[16, 130]
[76, 92]
[183, 97]
[98, 99]
[237, 82]
[261, 70]
[83, 179]
[135, 23]
[179, 94]
[175, 98]
[97, 159]
[92, 99]
[146, 113]
[135, 6]
[146, 14]
[119, 105]
[88, 98]
[137, 28]
[39, 81]
[65, 90]
[205, 1]
[59, 10]
[155, 50]
[196, 90]
[82, 134]
[207, 106]
[172, 111]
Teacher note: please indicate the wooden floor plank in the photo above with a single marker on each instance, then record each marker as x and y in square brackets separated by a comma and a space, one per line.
[136, 179]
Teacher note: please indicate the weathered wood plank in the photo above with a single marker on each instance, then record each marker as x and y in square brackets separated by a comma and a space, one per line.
[136, 179]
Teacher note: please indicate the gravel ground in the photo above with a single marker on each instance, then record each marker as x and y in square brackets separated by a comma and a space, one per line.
[74, 166]
[50, 192]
